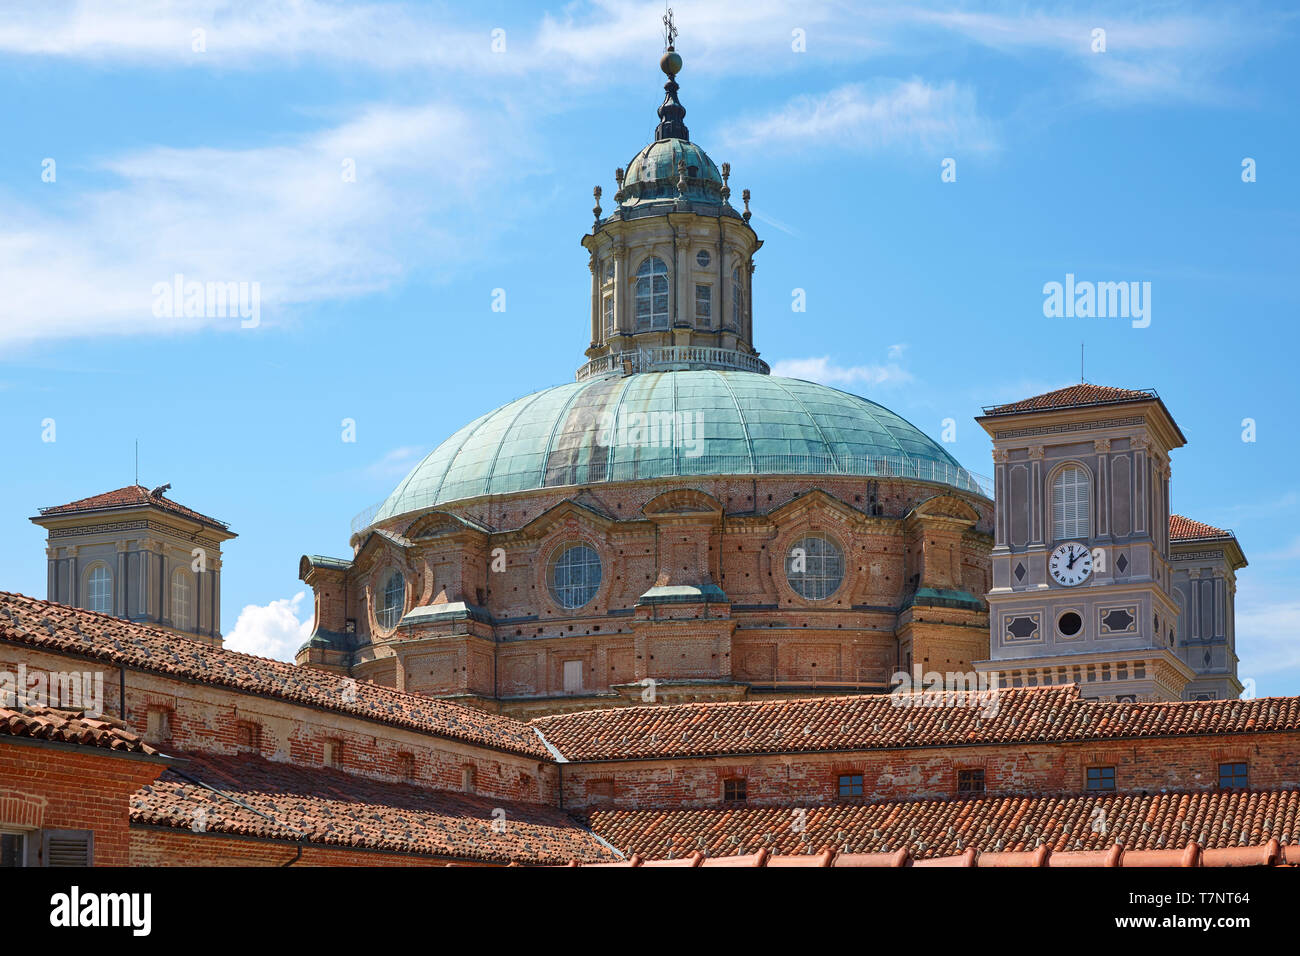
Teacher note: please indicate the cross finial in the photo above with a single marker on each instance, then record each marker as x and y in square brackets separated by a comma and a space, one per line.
[670, 30]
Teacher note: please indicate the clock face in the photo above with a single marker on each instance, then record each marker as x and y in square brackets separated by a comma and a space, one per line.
[1070, 563]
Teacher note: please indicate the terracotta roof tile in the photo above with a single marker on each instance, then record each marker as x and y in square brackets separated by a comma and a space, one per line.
[326, 806]
[1185, 529]
[875, 722]
[1216, 820]
[47, 723]
[1073, 396]
[129, 497]
[61, 629]
[1268, 854]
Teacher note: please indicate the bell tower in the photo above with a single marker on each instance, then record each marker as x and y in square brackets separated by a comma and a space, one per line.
[1082, 588]
[672, 263]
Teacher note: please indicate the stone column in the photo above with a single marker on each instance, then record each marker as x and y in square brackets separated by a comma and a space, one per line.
[1036, 505]
[52, 574]
[593, 264]
[1101, 496]
[74, 579]
[620, 290]
[999, 498]
[120, 591]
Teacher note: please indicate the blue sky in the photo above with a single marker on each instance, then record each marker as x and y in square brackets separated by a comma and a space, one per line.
[474, 171]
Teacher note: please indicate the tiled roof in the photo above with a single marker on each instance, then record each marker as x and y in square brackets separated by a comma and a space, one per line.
[1185, 529]
[61, 629]
[1072, 396]
[873, 722]
[1214, 819]
[47, 723]
[129, 497]
[1268, 854]
[326, 806]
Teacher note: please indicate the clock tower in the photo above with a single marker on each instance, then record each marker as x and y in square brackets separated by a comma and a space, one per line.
[1082, 589]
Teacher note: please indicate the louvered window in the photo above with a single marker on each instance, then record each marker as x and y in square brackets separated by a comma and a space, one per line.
[1070, 504]
[68, 847]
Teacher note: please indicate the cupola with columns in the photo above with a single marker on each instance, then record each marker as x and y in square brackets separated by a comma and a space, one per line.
[672, 263]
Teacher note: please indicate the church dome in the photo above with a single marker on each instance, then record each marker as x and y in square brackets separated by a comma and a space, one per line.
[653, 173]
[686, 423]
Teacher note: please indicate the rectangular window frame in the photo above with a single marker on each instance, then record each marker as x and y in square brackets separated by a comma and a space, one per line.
[735, 790]
[24, 841]
[703, 302]
[850, 786]
[971, 780]
[1101, 778]
[1238, 770]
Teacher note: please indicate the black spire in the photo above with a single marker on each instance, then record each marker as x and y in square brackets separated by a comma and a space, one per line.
[671, 113]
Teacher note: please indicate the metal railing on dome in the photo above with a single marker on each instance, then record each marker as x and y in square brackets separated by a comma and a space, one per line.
[680, 465]
[671, 356]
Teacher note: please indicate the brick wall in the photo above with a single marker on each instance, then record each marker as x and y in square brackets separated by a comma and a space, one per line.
[740, 546]
[202, 717]
[1186, 763]
[72, 788]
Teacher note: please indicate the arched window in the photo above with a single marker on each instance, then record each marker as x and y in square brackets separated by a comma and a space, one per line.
[181, 599]
[652, 295]
[99, 589]
[737, 298]
[1070, 511]
[393, 601]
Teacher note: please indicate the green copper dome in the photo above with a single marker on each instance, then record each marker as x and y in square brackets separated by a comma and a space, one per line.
[653, 173]
[669, 425]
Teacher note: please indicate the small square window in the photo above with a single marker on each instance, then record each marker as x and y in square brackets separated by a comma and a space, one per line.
[733, 791]
[1101, 778]
[970, 781]
[850, 785]
[1232, 776]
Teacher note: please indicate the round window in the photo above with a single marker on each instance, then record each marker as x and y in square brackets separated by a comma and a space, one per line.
[1069, 624]
[575, 575]
[703, 258]
[815, 567]
[392, 601]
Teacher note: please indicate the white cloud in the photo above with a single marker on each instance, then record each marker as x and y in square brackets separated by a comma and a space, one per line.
[907, 114]
[397, 463]
[827, 373]
[279, 216]
[272, 630]
[1268, 638]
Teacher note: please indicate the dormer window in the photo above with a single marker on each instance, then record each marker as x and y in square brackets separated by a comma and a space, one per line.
[652, 295]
